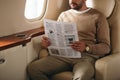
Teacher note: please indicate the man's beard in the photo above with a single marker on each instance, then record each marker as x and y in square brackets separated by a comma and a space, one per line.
[76, 6]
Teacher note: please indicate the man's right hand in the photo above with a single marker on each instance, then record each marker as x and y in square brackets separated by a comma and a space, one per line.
[45, 42]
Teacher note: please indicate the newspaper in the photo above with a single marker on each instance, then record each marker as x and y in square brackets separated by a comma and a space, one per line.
[61, 35]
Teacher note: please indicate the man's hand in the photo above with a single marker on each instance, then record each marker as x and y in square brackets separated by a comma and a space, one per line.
[45, 42]
[78, 46]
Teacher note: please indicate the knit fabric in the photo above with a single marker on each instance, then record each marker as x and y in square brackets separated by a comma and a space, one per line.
[92, 27]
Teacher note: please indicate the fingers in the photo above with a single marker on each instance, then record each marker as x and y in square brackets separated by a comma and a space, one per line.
[78, 46]
[45, 42]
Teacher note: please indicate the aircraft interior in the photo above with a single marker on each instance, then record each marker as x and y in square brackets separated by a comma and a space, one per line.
[21, 30]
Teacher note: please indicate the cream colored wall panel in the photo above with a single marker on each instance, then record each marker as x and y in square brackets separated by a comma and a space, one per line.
[12, 18]
[14, 67]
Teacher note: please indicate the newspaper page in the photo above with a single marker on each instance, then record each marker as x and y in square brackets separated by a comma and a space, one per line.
[61, 35]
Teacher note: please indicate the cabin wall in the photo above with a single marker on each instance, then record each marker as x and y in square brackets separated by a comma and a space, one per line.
[12, 21]
[12, 18]
[14, 65]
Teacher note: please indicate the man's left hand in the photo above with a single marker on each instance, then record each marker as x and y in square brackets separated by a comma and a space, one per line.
[79, 46]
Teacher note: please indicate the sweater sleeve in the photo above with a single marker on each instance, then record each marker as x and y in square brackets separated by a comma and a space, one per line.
[102, 45]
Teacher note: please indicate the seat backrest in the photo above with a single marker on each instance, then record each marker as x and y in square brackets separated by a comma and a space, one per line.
[111, 9]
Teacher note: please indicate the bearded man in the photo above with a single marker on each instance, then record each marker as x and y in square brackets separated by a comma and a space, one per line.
[94, 42]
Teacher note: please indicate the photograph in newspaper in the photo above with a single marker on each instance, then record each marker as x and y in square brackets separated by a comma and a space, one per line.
[61, 35]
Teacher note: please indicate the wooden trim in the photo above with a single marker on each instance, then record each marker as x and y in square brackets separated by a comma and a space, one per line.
[19, 38]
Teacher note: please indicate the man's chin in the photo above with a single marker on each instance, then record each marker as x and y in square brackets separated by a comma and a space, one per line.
[76, 9]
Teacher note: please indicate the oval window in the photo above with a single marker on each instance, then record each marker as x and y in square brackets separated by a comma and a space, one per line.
[34, 9]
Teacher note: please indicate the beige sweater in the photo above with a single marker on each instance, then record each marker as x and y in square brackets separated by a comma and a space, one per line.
[92, 28]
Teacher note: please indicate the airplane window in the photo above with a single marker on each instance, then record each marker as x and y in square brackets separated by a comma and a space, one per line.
[34, 9]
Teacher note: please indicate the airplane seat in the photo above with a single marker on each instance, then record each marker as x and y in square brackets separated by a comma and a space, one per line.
[108, 67]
